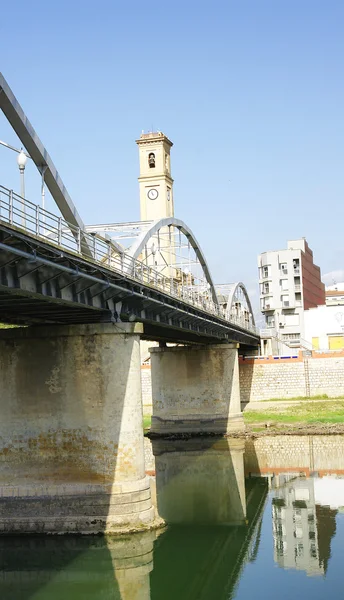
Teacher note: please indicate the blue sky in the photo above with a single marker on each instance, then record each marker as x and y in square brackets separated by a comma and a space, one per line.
[251, 93]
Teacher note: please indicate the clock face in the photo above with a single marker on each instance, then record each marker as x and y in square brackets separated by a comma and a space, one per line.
[152, 194]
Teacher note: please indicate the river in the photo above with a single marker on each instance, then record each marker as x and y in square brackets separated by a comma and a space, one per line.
[257, 519]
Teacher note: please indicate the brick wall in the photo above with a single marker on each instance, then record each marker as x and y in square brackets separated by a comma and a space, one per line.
[146, 384]
[265, 378]
[269, 377]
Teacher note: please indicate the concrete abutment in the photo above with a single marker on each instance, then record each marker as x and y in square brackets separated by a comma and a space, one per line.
[71, 437]
[195, 390]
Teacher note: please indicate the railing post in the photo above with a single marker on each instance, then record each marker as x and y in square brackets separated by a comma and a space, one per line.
[78, 240]
[109, 254]
[10, 215]
[94, 247]
[59, 232]
[37, 219]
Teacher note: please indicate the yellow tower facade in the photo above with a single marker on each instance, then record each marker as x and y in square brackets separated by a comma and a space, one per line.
[155, 181]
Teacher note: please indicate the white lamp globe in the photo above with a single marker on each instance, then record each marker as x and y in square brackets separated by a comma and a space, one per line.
[21, 159]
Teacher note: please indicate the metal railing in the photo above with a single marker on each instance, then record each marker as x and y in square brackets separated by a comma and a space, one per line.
[44, 225]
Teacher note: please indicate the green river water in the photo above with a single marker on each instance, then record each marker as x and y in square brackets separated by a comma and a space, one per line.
[244, 523]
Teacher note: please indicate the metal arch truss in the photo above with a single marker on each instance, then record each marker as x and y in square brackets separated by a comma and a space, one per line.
[169, 252]
[171, 247]
[235, 301]
[30, 140]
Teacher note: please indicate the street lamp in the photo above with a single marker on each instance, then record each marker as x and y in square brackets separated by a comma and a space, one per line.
[22, 160]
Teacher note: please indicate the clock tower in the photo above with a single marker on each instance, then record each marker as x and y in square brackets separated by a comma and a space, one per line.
[155, 181]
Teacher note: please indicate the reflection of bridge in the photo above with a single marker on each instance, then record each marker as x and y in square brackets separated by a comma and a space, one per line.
[71, 390]
[187, 560]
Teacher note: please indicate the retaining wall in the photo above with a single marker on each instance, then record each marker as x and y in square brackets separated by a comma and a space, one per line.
[262, 378]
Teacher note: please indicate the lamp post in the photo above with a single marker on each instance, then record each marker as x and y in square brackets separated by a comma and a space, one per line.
[22, 160]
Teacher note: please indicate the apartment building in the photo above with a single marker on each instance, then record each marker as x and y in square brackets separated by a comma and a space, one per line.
[335, 294]
[289, 283]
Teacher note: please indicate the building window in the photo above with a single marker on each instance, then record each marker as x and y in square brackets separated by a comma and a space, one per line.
[270, 321]
[284, 268]
[265, 272]
[296, 266]
[266, 288]
[151, 160]
[284, 284]
[285, 300]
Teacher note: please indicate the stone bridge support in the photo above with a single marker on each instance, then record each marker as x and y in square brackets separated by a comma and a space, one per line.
[195, 389]
[71, 438]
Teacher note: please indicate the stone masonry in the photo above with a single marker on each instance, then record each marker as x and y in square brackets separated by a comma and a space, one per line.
[265, 378]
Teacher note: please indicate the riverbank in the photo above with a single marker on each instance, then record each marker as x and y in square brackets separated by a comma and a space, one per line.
[299, 416]
[296, 416]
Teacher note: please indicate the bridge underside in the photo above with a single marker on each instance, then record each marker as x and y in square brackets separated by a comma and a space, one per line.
[39, 284]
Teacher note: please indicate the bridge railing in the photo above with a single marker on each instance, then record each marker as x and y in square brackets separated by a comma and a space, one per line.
[41, 223]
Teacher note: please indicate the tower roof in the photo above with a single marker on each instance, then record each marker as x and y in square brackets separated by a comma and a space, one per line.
[153, 136]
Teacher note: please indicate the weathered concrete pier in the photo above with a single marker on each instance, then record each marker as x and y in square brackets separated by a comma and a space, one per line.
[71, 432]
[196, 389]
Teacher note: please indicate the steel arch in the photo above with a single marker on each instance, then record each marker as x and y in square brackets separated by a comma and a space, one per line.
[231, 298]
[139, 245]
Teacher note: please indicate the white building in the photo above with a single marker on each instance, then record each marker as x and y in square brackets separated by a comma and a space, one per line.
[290, 284]
[324, 327]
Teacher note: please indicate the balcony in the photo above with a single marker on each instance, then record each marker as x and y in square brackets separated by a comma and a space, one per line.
[297, 287]
[268, 332]
[296, 270]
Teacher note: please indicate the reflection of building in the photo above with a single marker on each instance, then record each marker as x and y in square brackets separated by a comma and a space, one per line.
[302, 530]
[289, 284]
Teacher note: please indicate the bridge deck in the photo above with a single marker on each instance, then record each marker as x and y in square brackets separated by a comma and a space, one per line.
[45, 277]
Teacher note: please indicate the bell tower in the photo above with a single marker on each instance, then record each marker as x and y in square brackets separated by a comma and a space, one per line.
[155, 181]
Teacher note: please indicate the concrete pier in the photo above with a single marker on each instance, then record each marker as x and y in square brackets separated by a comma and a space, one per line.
[195, 389]
[71, 438]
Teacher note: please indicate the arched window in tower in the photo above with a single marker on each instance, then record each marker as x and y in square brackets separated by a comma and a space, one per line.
[151, 160]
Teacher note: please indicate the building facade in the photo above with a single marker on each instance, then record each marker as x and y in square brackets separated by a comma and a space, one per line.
[290, 284]
[324, 327]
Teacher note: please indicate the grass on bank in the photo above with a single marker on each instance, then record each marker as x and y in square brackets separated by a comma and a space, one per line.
[147, 421]
[329, 411]
[298, 398]
[307, 412]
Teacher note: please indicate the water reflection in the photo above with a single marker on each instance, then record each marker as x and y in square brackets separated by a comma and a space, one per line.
[200, 481]
[219, 544]
[215, 521]
[76, 567]
[302, 527]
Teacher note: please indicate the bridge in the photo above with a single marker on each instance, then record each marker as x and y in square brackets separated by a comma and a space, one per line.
[71, 411]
